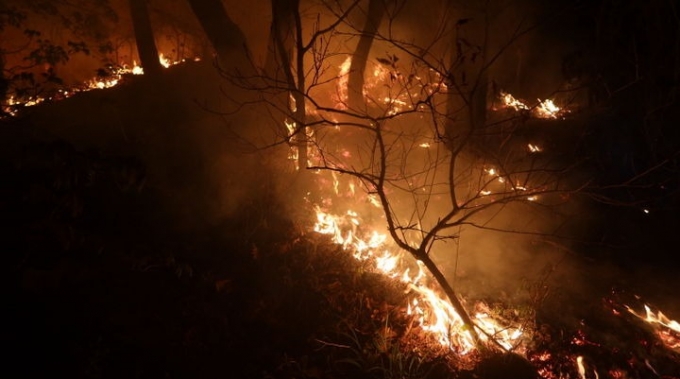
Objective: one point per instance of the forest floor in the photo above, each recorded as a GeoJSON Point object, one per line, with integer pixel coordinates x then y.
{"type": "Point", "coordinates": [108, 278]}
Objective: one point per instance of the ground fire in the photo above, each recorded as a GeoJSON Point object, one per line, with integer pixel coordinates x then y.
{"type": "Point", "coordinates": [557, 359]}
{"type": "Point", "coordinates": [369, 189]}
{"type": "Point", "coordinates": [428, 307]}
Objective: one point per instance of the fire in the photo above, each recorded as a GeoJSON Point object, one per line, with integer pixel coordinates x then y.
{"type": "Point", "coordinates": [581, 367]}
{"type": "Point", "coordinates": [666, 329]}
{"type": "Point", "coordinates": [534, 148]}
{"type": "Point", "coordinates": [433, 312]}
{"type": "Point", "coordinates": [96, 83]}
{"type": "Point", "coordinates": [136, 69]}
{"type": "Point", "coordinates": [165, 62]}
{"type": "Point", "coordinates": [509, 101]}
{"type": "Point", "coordinates": [547, 109]}
{"type": "Point", "coordinates": [293, 152]}
{"type": "Point", "coordinates": [343, 80]}
{"type": "Point", "coordinates": [386, 87]}
{"type": "Point", "coordinates": [543, 109]}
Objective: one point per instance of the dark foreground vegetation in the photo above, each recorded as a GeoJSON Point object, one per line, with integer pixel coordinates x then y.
{"type": "Point", "coordinates": [120, 262]}
{"type": "Point", "coordinates": [138, 241]}
{"type": "Point", "coordinates": [104, 281]}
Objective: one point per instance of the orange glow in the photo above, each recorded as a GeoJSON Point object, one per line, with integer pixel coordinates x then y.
{"type": "Point", "coordinates": [343, 80]}
{"type": "Point", "coordinates": [433, 312]}
{"type": "Point", "coordinates": [547, 109]}
{"type": "Point", "coordinates": [95, 83]}
{"type": "Point", "coordinates": [534, 148]}
{"type": "Point", "coordinates": [543, 109]}
{"type": "Point", "coordinates": [509, 101]}
{"type": "Point", "coordinates": [666, 329]}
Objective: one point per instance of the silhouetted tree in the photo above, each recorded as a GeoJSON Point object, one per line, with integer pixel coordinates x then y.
{"type": "Point", "coordinates": [357, 70]}
{"type": "Point", "coordinates": [146, 44]}
{"type": "Point", "coordinates": [225, 36]}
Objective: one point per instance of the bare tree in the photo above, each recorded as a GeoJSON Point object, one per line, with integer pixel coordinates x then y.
{"type": "Point", "coordinates": [357, 70]}
{"type": "Point", "coordinates": [421, 138]}
{"type": "Point", "coordinates": [225, 36]}
{"type": "Point", "coordinates": [146, 44]}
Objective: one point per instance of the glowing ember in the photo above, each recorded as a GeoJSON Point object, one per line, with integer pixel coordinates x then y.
{"type": "Point", "coordinates": [343, 80]}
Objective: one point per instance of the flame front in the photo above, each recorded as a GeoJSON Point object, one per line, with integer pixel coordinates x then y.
{"type": "Point", "coordinates": [666, 329]}
{"type": "Point", "coordinates": [432, 311]}
{"type": "Point", "coordinates": [113, 80]}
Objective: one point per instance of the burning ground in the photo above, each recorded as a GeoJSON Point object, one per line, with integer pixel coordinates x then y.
{"type": "Point", "coordinates": [150, 232]}
{"type": "Point", "coordinates": [117, 267]}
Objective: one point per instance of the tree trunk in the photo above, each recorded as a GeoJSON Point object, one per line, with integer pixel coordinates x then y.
{"type": "Point", "coordinates": [225, 36]}
{"type": "Point", "coordinates": [146, 45]}
{"type": "Point", "coordinates": [279, 59]}
{"type": "Point", "coordinates": [450, 293]}
{"type": "Point", "coordinates": [285, 53]}
{"type": "Point", "coordinates": [281, 37]}
{"type": "Point", "coordinates": [355, 82]}
{"type": "Point", "coordinates": [4, 83]}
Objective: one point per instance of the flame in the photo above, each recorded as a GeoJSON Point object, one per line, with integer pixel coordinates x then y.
{"type": "Point", "coordinates": [581, 367]}
{"type": "Point", "coordinates": [136, 69]}
{"type": "Point", "coordinates": [543, 109]}
{"type": "Point", "coordinates": [534, 148]}
{"type": "Point", "coordinates": [666, 329]}
{"type": "Point", "coordinates": [293, 152]}
{"type": "Point", "coordinates": [547, 109]}
{"type": "Point", "coordinates": [388, 88]}
{"type": "Point", "coordinates": [96, 83]}
{"type": "Point", "coordinates": [165, 62]}
{"type": "Point", "coordinates": [432, 311]}
{"type": "Point", "coordinates": [342, 85]}
{"type": "Point", "coordinates": [509, 101]}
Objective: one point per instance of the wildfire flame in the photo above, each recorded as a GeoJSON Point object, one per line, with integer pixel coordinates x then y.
{"type": "Point", "coordinates": [432, 311]}
{"type": "Point", "coordinates": [343, 80]}
{"type": "Point", "coordinates": [666, 329]}
{"type": "Point", "coordinates": [113, 80]}
{"type": "Point", "coordinates": [543, 109]}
